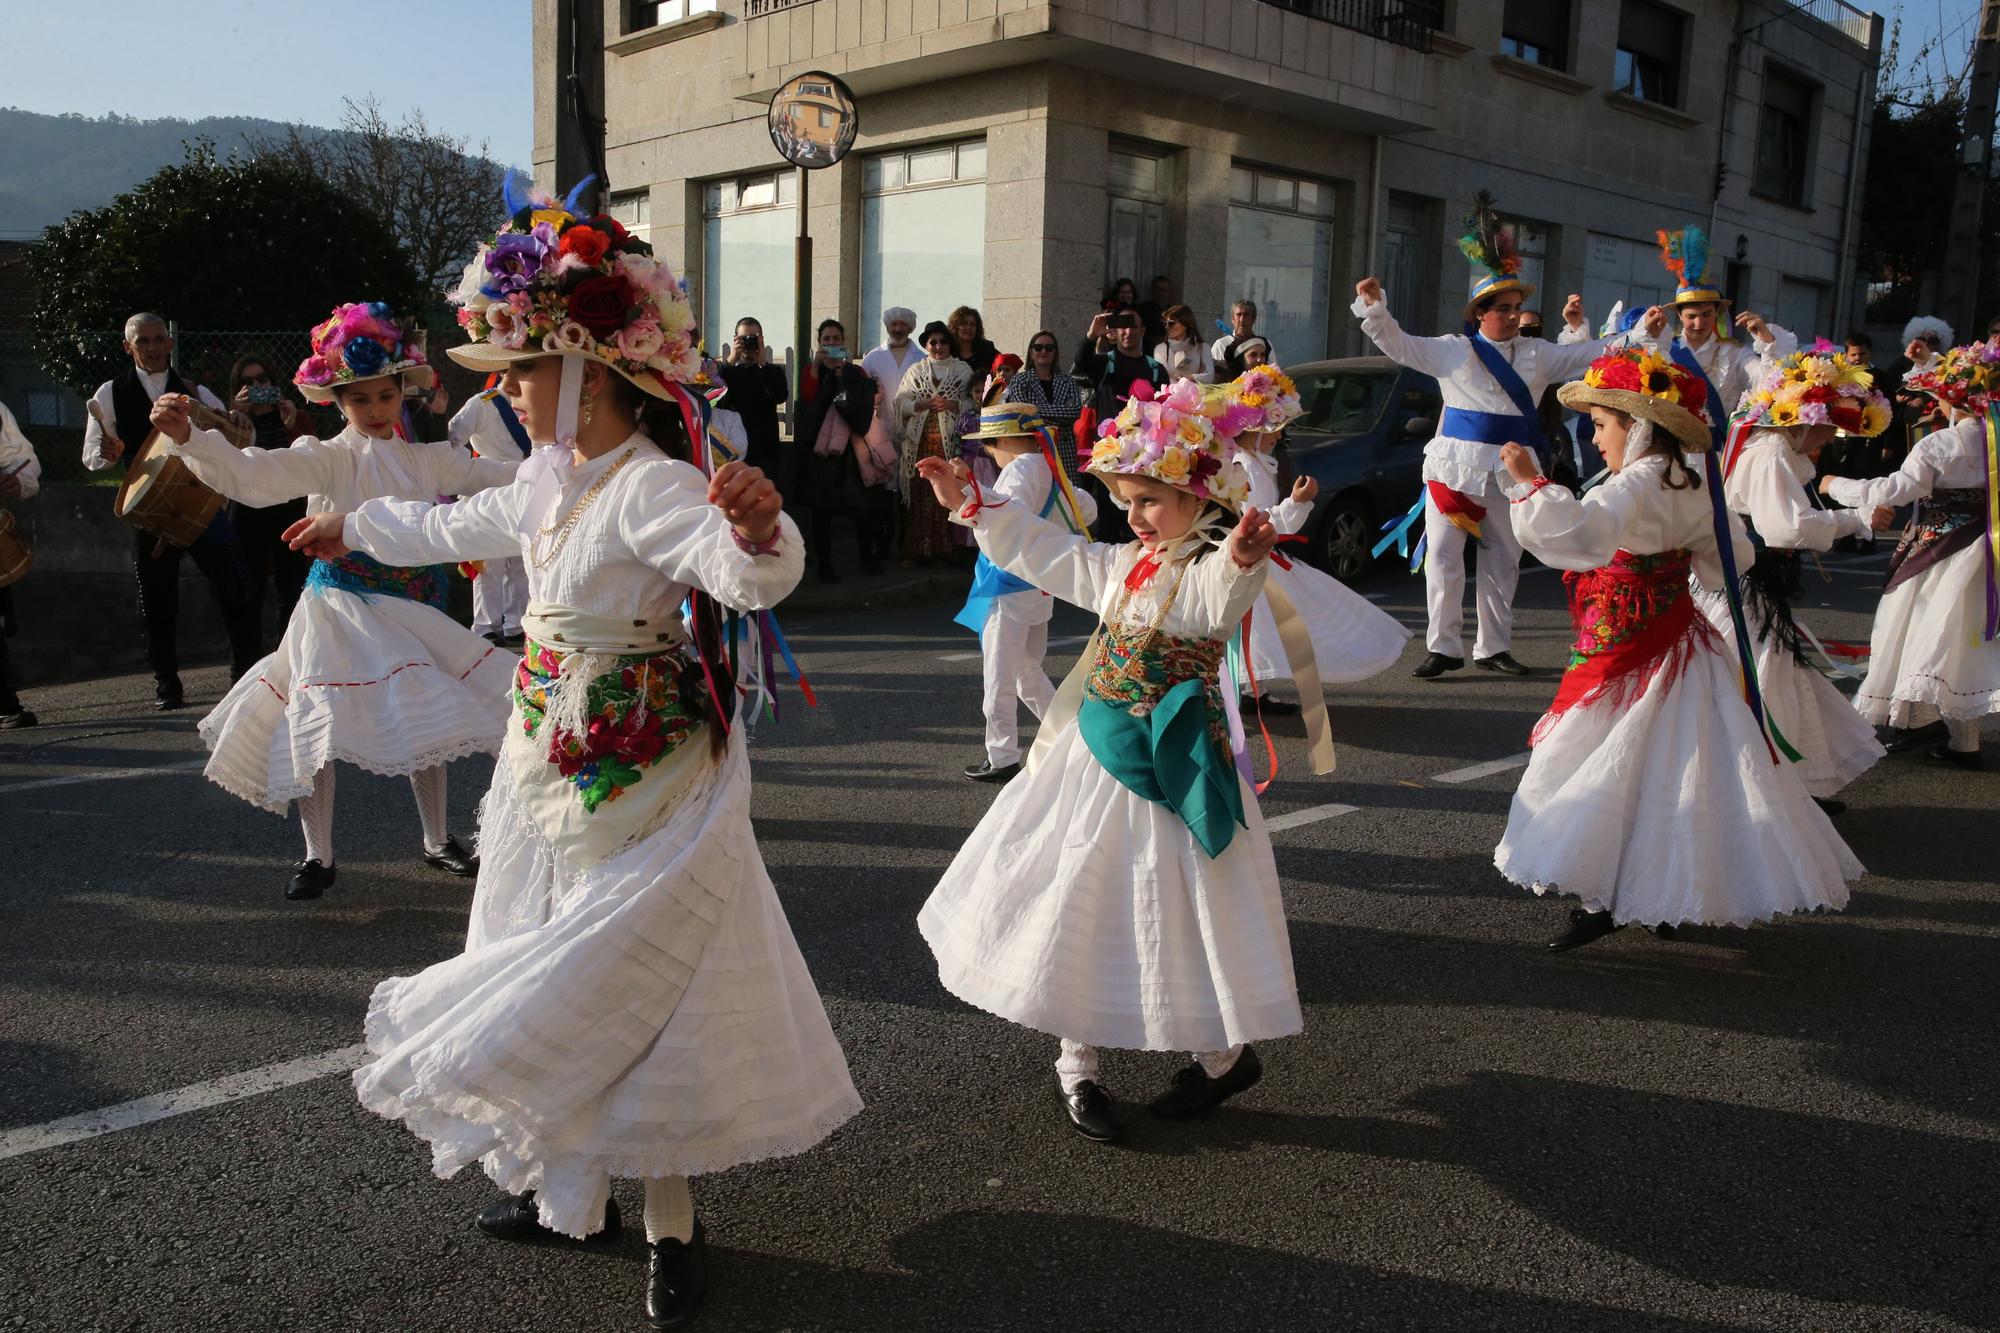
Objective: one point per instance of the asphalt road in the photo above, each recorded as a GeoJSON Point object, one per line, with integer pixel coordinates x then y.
{"type": "Point", "coordinates": [1789, 1127]}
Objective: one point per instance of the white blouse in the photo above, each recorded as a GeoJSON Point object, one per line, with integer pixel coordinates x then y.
{"type": "Point", "coordinates": [340, 473]}
{"type": "Point", "coordinates": [648, 537]}
{"type": "Point", "coordinates": [1947, 460]}
{"type": "Point", "coordinates": [1769, 488]}
{"type": "Point", "coordinates": [1287, 515]}
{"type": "Point", "coordinates": [1632, 511]}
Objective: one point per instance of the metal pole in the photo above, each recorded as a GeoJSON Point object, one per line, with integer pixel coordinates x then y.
{"type": "Point", "coordinates": [802, 289]}
{"type": "Point", "coordinates": [1846, 277]}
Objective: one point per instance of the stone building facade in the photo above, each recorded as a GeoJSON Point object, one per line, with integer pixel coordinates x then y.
{"type": "Point", "coordinates": [1018, 155]}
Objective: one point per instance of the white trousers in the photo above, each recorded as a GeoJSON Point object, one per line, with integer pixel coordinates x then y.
{"type": "Point", "coordinates": [499, 596]}
{"type": "Point", "coordinates": [1012, 653]}
{"type": "Point", "coordinates": [1499, 573]}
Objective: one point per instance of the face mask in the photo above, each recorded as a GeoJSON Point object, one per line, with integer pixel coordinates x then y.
{"type": "Point", "coordinates": [834, 353]}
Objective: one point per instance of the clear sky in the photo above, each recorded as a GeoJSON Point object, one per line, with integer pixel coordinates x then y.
{"type": "Point", "coordinates": [464, 63]}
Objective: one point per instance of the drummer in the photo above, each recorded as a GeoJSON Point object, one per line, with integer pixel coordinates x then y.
{"type": "Point", "coordinates": [126, 400]}
{"type": "Point", "coordinates": [20, 478]}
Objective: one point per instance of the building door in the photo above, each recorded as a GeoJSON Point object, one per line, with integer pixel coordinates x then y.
{"type": "Point", "coordinates": [1403, 277]}
{"type": "Point", "coordinates": [1135, 241]}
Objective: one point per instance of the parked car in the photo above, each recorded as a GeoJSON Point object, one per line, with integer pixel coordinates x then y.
{"type": "Point", "coordinates": [1362, 439]}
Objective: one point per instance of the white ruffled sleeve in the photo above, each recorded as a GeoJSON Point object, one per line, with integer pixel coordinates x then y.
{"type": "Point", "coordinates": [1915, 479]}
{"type": "Point", "coordinates": [486, 526]}
{"type": "Point", "coordinates": [669, 524]}
{"type": "Point", "coordinates": [1782, 514]}
{"type": "Point", "coordinates": [263, 477]}
{"type": "Point", "coordinates": [1051, 557]}
{"type": "Point", "coordinates": [1567, 533]}
{"type": "Point", "coordinates": [1436, 357]}
{"type": "Point", "coordinates": [1216, 594]}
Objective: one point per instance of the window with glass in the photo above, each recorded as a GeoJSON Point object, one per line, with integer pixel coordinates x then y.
{"type": "Point", "coordinates": [1615, 269]}
{"type": "Point", "coordinates": [1408, 264]}
{"type": "Point", "coordinates": [749, 241]}
{"type": "Point", "coordinates": [1532, 240]}
{"type": "Point", "coordinates": [1137, 184]}
{"type": "Point", "coordinates": [1648, 62]}
{"type": "Point", "coordinates": [643, 14]}
{"type": "Point", "coordinates": [633, 210]}
{"type": "Point", "coordinates": [1536, 31]}
{"type": "Point", "coordinates": [1280, 256]}
{"type": "Point", "coordinates": [1784, 136]}
{"type": "Point", "coordinates": [923, 231]}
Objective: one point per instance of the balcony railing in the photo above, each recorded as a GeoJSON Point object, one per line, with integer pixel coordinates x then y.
{"type": "Point", "coordinates": [1856, 25]}
{"type": "Point", "coordinates": [1404, 22]}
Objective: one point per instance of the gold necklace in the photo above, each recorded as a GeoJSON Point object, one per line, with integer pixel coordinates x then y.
{"type": "Point", "coordinates": [562, 531]}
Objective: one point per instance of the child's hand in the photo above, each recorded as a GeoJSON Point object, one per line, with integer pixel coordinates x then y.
{"type": "Point", "coordinates": [1521, 464]}
{"type": "Point", "coordinates": [1253, 539]}
{"type": "Point", "coordinates": [320, 536]}
{"type": "Point", "coordinates": [1304, 489]}
{"type": "Point", "coordinates": [1882, 518]}
{"type": "Point", "coordinates": [947, 478]}
{"type": "Point", "coordinates": [748, 499]}
{"type": "Point", "coordinates": [1826, 484]}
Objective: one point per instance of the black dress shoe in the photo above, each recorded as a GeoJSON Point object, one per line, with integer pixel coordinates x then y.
{"type": "Point", "coordinates": [1092, 1114]}
{"type": "Point", "coordinates": [514, 1217]}
{"type": "Point", "coordinates": [1583, 928]}
{"type": "Point", "coordinates": [677, 1279]}
{"type": "Point", "coordinates": [1970, 760]}
{"type": "Point", "coordinates": [1663, 931]}
{"type": "Point", "coordinates": [495, 637]}
{"type": "Point", "coordinates": [170, 703]}
{"type": "Point", "coordinates": [1250, 703]}
{"type": "Point", "coordinates": [309, 880]}
{"type": "Point", "coordinates": [983, 771]}
{"type": "Point", "coordinates": [453, 859]}
{"type": "Point", "coordinates": [1913, 738]}
{"type": "Point", "coordinates": [16, 721]}
{"type": "Point", "coordinates": [1435, 665]}
{"type": "Point", "coordinates": [1832, 807]}
{"type": "Point", "coordinates": [1192, 1091]}
{"type": "Point", "coordinates": [1504, 663]}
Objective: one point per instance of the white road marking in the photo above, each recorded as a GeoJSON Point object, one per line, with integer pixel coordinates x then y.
{"type": "Point", "coordinates": [195, 1097]}
{"type": "Point", "coordinates": [1486, 770]}
{"type": "Point", "coordinates": [1312, 814]}
{"type": "Point", "coordinates": [103, 775]}
{"type": "Point", "coordinates": [956, 657]}
{"type": "Point", "coordinates": [1069, 642]}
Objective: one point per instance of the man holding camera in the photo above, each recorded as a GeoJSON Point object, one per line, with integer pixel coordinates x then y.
{"type": "Point", "coordinates": [1110, 362]}
{"type": "Point", "coordinates": [757, 390]}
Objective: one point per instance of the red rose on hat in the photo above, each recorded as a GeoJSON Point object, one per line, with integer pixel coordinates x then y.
{"type": "Point", "coordinates": [602, 304]}
{"type": "Point", "coordinates": [587, 243]}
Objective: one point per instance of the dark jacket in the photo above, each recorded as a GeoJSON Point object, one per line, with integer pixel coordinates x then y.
{"type": "Point", "coordinates": [755, 394]}
{"type": "Point", "coordinates": [1111, 374]}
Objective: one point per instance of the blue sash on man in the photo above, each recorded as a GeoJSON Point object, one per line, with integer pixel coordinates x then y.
{"type": "Point", "coordinates": [1481, 426]}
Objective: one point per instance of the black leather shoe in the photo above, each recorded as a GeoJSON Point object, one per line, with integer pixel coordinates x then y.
{"type": "Point", "coordinates": [1435, 665]}
{"type": "Point", "coordinates": [1971, 760]}
{"type": "Point", "coordinates": [16, 721]}
{"type": "Point", "coordinates": [983, 771]}
{"type": "Point", "coordinates": [1584, 927]}
{"type": "Point", "coordinates": [453, 859]}
{"type": "Point", "coordinates": [1832, 807]}
{"type": "Point", "coordinates": [495, 637]}
{"type": "Point", "coordinates": [1250, 703]}
{"type": "Point", "coordinates": [1192, 1091]}
{"type": "Point", "coordinates": [677, 1279]}
{"type": "Point", "coordinates": [1504, 663]}
{"type": "Point", "coordinates": [1092, 1114]}
{"type": "Point", "coordinates": [514, 1217]}
{"type": "Point", "coordinates": [309, 880]}
{"type": "Point", "coordinates": [1913, 738]}
{"type": "Point", "coordinates": [1663, 931]}
{"type": "Point", "coordinates": [170, 703]}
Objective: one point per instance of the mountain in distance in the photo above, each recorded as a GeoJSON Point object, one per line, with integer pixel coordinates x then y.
{"type": "Point", "coordinates": [51, 166]}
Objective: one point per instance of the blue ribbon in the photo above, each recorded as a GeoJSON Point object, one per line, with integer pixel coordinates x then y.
{"type": "Point", "coordinates": [1510, 382]}
{"type": "Point", "coordinates": [1462, 423]}
{"type": "Point", "coordinates": [1399, 534]}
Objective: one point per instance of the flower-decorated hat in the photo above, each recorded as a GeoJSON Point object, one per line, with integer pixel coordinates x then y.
{"type": "Point", "coordinates": [553, 282]}
{"type": "Point", "coordinates": [1492, 247]}
{"type": "Point", "coordinates": [1966, 378]}
{"type": "Point", "coordinates": [1267, 392]}
{"type": "Point", "coordinates": [1642, 385]}
{"type": "Point", "coordinates": [1003, 420]}
{"type": "Point", "coordinates": [1820, 387]}
{"type": "Point", "coordinates": [360, 341]}
{"type": "Point", "coordinates": [1182, 437]}
{"type": "Point", "coordinates": [1685, 254]}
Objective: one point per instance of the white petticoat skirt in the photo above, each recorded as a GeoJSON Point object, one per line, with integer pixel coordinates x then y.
{"type": "Point", "coordinates": [1669, 809]}
{"type": "Point", "coordinates": [1081, 909]}
{"type": "Point", "coordinates": [380, 682]}
{"type": "Point", "coordinates": [1926, 659]}
{"type": "Point", "coordinates": [1352, 638]}
{"type": "Point", "coordinates": [552, 1052]}
{"type": "Point", "coordinates": [1836, 744]}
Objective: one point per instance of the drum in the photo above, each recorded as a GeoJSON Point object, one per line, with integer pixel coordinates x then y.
{"type": "Point", "coordinates": [15, 557]}
{"type": "Point", "coordinates": [161, 495]}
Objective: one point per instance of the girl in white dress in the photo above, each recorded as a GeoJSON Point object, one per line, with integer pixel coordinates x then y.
{"type": "Point", "coordinates": [1783, 423]}
{"type": "Point", "coordinates": [370, 671]}
{"type": "Point", "coordinates": [1122, 891]}
{"type": "Point", "coordinates": [1934, 656]}
{"type": "Point", "coordinates": [1352, 638]}
{"type": "Point", "coordinates": [1653, 793]}
{"type": "Point", "coordinates": [630, 1001]}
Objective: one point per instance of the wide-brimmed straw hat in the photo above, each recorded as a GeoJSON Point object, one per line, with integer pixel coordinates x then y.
{"type": "Point", "coordinates": [359, 342]}
{"type": "Point", "coordinates": [1183, 436]}
{"type": "Point", "coordinates": [1819, 387]}
{"type": "Point", "coordinates": [1642, 385]}
{"type": "Point", "coordinates": [1005, 420]}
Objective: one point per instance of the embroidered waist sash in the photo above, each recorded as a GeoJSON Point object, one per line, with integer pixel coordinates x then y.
{"type": "Point", "coordinates": [1946, 522]}
{"type": "Point", "coordinates": [368, 578]}
{"type": "Point", "coordinates": [606, 707]}
{"type": "Point", "coordinates": [1628, 616]}
{"type": "Point", "coordinates": [1152, 714]}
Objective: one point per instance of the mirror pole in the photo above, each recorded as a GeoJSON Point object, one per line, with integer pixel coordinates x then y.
{"type": "Point", "coordinates": [802, 289]}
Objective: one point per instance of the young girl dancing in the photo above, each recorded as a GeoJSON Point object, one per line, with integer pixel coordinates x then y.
{"type": "Point", "coordinates": [370, 671]}
{"type": "Point", "coordinates": [1122, 892]}
{"type": "Point", "coordinates": [1934, 656]}
{"type": "Point", "coordinates": [1653, 793]}
{"type": "Point", "coordinates": [630, 1001]}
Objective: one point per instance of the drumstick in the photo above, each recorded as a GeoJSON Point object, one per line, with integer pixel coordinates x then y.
{"type": "Point", "coordinates": [97, 415]}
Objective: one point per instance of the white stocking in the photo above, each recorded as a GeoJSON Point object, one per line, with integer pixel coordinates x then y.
{"type": "Point", "coordinates": [428, 784]}
{"type": "Point", "coordinates": [1077, 1064]}
{"type": "Point", "coordinates": [1217, 1063]}
{"type": "Point", "coordinates": [669, 1209]}
{"type": "Point", "coordinates": [316, 814]}
{"type": "Point", "coordinates": [1963, 734]}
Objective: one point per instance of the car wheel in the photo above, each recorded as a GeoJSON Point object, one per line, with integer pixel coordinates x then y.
{"type": "Point", "coordinates": [1346, 537]}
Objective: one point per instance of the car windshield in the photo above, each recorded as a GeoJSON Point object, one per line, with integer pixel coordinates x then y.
{"type": "Point", "coordinates": [1343, 402]}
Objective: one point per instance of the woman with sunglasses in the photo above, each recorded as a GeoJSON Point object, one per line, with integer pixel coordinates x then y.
{"type": "Point", "coordinates": [1052, 392]}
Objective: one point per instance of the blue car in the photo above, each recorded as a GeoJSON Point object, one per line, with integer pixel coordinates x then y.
{"type": "Point", "coordinates": [1362, 439]}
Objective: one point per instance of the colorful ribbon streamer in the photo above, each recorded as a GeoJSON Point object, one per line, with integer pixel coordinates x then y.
{"type": "Point", "coordinates": [1992, 560]}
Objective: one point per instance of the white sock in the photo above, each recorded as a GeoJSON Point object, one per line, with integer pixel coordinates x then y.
{"type": "Point", "coordinates": [428, 784]}
{"type": "Point", "coordinates": [1077, 1064]}
{"type": "Point", "coordinates": [1963, 735]}
{"type": "Point", "coordinates": [1217, 1063]}
{"type": "Point", "coordinates": [316, 815]}
{"type": "Point", "coordinates": [669, 1209]}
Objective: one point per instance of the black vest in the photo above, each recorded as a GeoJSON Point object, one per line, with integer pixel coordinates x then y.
{"type": "Point", "coordinates": [132, 410]}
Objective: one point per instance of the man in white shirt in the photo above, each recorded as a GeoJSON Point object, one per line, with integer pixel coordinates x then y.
{"type": "Point", "coordinates": [888, 362]}
{"type": "Point", "coordinates": [126, 401]}
{"type": "Point", "coordinates": [20, 478]}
